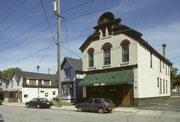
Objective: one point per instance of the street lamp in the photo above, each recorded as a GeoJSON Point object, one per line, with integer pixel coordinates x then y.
{"type": "Point", "coordinates": [37, 78]}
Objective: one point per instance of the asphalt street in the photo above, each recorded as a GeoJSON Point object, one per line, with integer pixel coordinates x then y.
{"type": "Point", "coordinates": [167, 111]}
{"type": "Point", "coordinates": [22, 114]}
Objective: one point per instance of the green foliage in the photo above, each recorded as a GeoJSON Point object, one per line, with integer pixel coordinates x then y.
{"type": "Point", "coordinates": [175, 78]}
{"type": "Point", "coordinates": [63, 104]}
{"type": "Point", "coordinates": [1, 73]}
{"type": "Point", "coordinates": [9, 72]}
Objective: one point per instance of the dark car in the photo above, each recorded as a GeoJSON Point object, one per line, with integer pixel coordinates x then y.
{"type": "Point", "coordinates": [100, 105]}
{"type": "Point", "coordinates": [1, 118]}
{"type": "Point", "coordinates": [39, 103]}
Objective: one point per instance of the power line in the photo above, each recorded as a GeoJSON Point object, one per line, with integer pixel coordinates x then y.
{"type": "Point", "coordinates": [12, 12]}
{"type": "Point", "coordinates": [20, 18]}
{"type": "Point", "coordinates": [77, 6]}
{"type": "Point", "coordinates": [26, 57]}
{"type": "Point", "coordinates": [25, 32]}
{"type": "Point", "coordinates": [45, 52]}
{"type": "Point", "coordinates": [47, 20]}
{"type": "Point", "coordinates": [10, 47]}
{"type": "Point", "coordinates": [71, 51]}
{"type": "Point", "coordinates": [92, 12]}
{"type": "Point", "coordinates": [67, 39]}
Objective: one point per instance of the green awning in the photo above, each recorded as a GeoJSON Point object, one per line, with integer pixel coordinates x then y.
{"type": "Point", "coordinates": [109, 78]}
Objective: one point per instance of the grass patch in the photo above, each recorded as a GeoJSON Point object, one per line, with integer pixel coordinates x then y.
{"type": "Point", "coordinates": [63, 104]}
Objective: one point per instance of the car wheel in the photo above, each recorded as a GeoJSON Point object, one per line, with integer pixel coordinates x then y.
{"type": "Point", "coordinates": [38, 106]}
{"type": "Point", "coordinates": [100, 110]}
{"type": "Point", "coordinates": [80, 109]}
{"type": "Point", "coordinates": [27, 106]}
{"type": "Point", "coordinates": [109, 111]}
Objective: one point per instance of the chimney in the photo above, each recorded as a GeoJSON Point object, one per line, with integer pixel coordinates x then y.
{"type": "Point", "coordinates": [49, 71]}
{"type": "Point", "coordinates": [164, 49]}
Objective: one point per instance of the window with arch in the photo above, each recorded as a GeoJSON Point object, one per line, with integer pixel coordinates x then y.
{"type": "Point", "coordinates": [91, 57]}
{"type": "Point", "coordinates": [125, 50]}
{"type": "Point", "coordinates": [107, 53]}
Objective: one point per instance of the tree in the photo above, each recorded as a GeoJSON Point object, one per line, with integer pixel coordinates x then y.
{"type": "Point", "coordinates": [1, 73]}
{"type": "Point", "coordinates": [174, 77]}
{"type": "Point", "coordinates": [9, 72]}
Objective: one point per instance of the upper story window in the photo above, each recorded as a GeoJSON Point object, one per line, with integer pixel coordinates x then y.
{"type": "Point", "coordinates": [18, 81]}
{"type": "Point", "coordinates": [160, 66]}
{"type": "Point", "coordinates": [125, 50]}
{"type": "Point", "coordinates": [151, 60]}
{"type": "Point", "coordinates": [46, 83]}
{"type": "Point", "coordinates": [107, 53]}
{"type": "Point", "coordinates": [91, 57]}
{"type": "Point", "coordinates": [32, 82]}
{"type": "Point", "coordinates": [67, 72]}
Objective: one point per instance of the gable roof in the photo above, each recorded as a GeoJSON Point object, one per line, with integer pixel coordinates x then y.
{"type": "Point", "coordinates": [33, 75]}
{"type": "Point", "coordinates": [4, 79]}
{"type": "Point", "coordinates": [119, 29]}
{"type": "Point", "coordinates": [76, 63]}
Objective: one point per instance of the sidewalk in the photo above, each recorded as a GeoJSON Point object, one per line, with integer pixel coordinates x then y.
{"type": "Point", "coordinates": [119, 109]}
{"type": "Point", "coordinates": [13, 104]}
{"type": "Point", "coordinates": [72, 108]}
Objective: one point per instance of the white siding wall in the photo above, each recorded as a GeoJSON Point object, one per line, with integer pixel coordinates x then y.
{"type": "Point", "coordinates": [33, 93]}
{"type": "Point", "coordinates": [14, 83]}
{"type": "Point", "coordinates": [116, 52]}
{"type": "Point", "coordinates": [147, 76]}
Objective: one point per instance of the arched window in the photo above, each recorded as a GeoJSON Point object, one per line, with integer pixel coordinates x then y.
{"type": "Point", "coordinates": [91, 57]}
{"type": "Point", "coordinates": [125, 50]}
{"type": "Point", "coordinates": [107, 53]}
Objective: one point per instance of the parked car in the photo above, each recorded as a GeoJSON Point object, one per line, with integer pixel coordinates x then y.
{"type": "Point", "coordinates": [100, 105]}
{"type": "Point", "coordinates": [1, 118]}
{"type": "Point", "coordinates": [39, 103]}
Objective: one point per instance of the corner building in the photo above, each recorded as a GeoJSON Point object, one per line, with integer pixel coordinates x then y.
{"type": "Point", "coordinates": [118, 64]}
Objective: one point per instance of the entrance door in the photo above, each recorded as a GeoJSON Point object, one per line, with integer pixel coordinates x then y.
{"type": "Point", "coordinates": [126, 96]}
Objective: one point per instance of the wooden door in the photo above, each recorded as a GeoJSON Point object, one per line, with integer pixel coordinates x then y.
{"type": "Point", "coordinates": [126, 96]}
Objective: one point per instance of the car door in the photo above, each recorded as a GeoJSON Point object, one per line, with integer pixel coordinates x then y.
{"type": "Point", "coordinates": [96, 104]}
{"type": "Point", "coordinates": [33, 102]}
{"type": "Point", "coordinates": [88, 104]}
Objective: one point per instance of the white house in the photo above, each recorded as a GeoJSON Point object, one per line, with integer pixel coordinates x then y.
{"type": "Point", "coordinates": [3, 85]}
{"type": "Point", "coordinates": [122, 66]}
{"type": "Point", "coordinates": [24, 86]}
{"type": "Point", "coordinates": [71, 75]}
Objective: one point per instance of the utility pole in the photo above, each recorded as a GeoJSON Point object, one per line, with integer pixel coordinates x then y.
{"type": "Point", "coordinates": [38, 79]}
{"type": "Point", "coordinates": [57, 13]}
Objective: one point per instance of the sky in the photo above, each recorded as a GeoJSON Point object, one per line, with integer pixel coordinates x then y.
{"type": "Point", "coordinates": [26, 39]}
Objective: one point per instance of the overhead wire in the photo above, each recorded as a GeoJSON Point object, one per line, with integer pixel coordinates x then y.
{"type": "Point", "coordinates": [67, 39]}
{"type": "Point", "coordinates": [47, 20]}
{"type": "Point", "coordinates": [25, 32]}
{"type": "Point", "coordinates": [92, 12]}
{"type": "Point", "coordinates": [21, 42]}
{"type": "Point", "coordinates": [13, 11]}
{"type": "Point", "coordinates": [77, 6]}
{"type": "Point", "coordinates": [26, 57]}
{"type": "Point", "coordinates": [53, 36]}
{"type": "Point", "coordinates": [13, 24]}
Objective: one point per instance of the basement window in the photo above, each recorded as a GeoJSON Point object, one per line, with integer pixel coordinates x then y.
{"type": "Point", "coordinates": [25, 96]}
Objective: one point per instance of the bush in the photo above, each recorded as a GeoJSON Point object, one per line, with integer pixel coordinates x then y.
{"type": "Point", "coordinates": [1, 102]}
